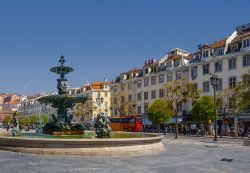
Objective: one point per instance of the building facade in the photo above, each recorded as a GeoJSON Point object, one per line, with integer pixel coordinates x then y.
{"type": "Point", "coordinates": [228, 58]}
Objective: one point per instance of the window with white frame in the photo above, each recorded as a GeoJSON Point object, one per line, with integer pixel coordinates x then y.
{"type": "Point", "coordinates": [246, 61]}
{"type": "Point", "coordinates": [178, 75]}
{"type": "Point", "coordinates": [169, 77]}
{"type": "Point", "coordinates": [161, 93]}
{"type": "Point", "coordinates": [246, 43]}
{"type": "Point", "coordinates": [153, 80]}
{"type": "Point", "coordinates": [194, 72]}
{"type": "Point", "coordinates": [219, 85]}
{"type": "Point", "coordinates": [130, 97]}
{"type": "Point", "coordinates": [153, 94]}
{"type": "Point", "coordinates": [220, 51]}
{"type": "Point", "coordinates": [232, 82]}
{"type": "Point", "coordinates": [161, 79]}
{"type": "Point", "coordinates": [206, 86]}
{"type": "Point", "coordinates": [146, 95]}
{"type": "Point", "coordinates": [122, 87]}
{"type": "Point", "coordinates": [205, 69]}
{"type": "Point", "coordinates": [138, 109]}
{"type": "Point", "coordinates": [205, 54]}
{"type": "Point", "coordinates": [232, 63]}
{"type": "Point", "coordinates": [139, 84]}
{"type": "Point", "coordinates": [129, 85]}
{"type": "Point", "coordinates": [169, 64]}
{"type": "Point", "coordinates": [115, 100]}
{"type": "Point", "coordinates": [138, 96]}
{"type": "Point", "coordinates": [218, 66]}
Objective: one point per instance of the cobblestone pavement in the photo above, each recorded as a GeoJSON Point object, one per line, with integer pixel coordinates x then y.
{"type": "Point", "coordinates": [185, 155]}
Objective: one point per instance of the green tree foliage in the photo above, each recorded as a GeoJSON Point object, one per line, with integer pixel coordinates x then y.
{"type": "Point", "coordinates": [203, 109]}
{"type": "Point", "coordinates": [7, 120]}
{"type": "Point", "coordinates": [24, 121]}
{"type": "Point", "coordinates": [34, 119]}
{"type": "Point", "coordinates": [160, 111]}
{"type": "Point", "coordinates": [45, 118]}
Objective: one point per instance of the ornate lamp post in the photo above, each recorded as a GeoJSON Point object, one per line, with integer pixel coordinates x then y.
{"type": "Point", "coordinates": [214, 82]}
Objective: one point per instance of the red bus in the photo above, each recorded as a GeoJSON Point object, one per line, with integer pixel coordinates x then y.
{"type": "Point", "coordinates": [126, 123]}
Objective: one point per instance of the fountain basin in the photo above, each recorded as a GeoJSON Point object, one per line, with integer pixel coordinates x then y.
{"type": "Point", "coordinates": [84, 147]}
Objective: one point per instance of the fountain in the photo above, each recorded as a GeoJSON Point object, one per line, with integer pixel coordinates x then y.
{"type": "Point", "coordinates": [63, 124]}
{"type": "Point", "coordinates": [62, 136]}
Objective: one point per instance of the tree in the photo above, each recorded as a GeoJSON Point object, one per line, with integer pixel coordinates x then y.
{"type": "Point", "coordinates": [45, 118]}
{"type": "Point", "coordinates": [34, 119]}
{"type": "Point", "coordinates": [24, 121]}
{"type": "Point", "coordinates": [160, 111]}
{"type": "Point", "coordinates": [7, 120]}
{"type": "Point", "coordinates": [124, 107]}
{"type": "Point", "coordinates": [203, 110]}
{"type": "Point", "coordinates": [178, 92]}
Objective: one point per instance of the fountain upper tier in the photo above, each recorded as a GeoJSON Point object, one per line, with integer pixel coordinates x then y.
{"type": "Point", "coordinates": [62, 70]}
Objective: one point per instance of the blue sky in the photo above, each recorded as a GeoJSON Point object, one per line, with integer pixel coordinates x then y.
{"type": "Point", "coordinates": [101, 39]}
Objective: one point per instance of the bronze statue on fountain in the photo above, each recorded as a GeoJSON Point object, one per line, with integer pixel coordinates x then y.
{"type": "Point", "coordinates": [62, 123]}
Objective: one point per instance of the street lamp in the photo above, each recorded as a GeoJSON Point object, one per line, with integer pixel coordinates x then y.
{"type": "Point", "coordinates": [144, 110]}
{"type": "Point", "coordinates": [214, 82]}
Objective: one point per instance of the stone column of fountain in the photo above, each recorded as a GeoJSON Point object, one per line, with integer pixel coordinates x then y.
{"type": "Point", "coordinates": [62, 123]}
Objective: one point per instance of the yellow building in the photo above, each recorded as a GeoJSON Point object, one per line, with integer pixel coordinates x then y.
{"type": "Point", "coordinates": [89, 110]}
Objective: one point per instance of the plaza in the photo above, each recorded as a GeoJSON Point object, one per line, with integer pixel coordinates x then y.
{"type": "Point", "coordinates": [185, 155]}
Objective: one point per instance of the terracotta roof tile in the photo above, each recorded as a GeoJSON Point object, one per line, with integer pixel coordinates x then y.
{"type": "Point", "coordinates": [217, 44]}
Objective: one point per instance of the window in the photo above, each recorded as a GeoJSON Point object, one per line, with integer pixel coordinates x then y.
{"type": "Point", "coordinates": [122, 99]}
{"type": "Point", "coordinates": [122, 87]}
{"type": "Point", "coordinates": [116, 111]}
{"type": "Point", "coordinates": [138, 96]}
{"type": "Point", "coordinates": [153, 94]}
{"type": "Point", "coordinates": [145, 108]}
{"type": "Point", "coordinates": [139, 84]}
{"type": "Point", "coordinates": [129, 97]}
{"type": "Point", "coordinates": [146, 82]}
{"type": "Point", "coordinates": [145, 95]}
{"type": "Point", "coordinates": [161, 93]}
{"type": "Point", "coordinates": [206, 86]}
{"type": "Point", "coordinates": [115, 100]}
{"type": "Point", "coordinates": [220, 51]}
{"type": "Point", "coordinates": [106, 104]}
{"type": "Point", "coordinates": [246, 61]}
{"type": "Point", "coordinates": [169, 77]}
{"type": "Point", "coordinates": [129, 85]}
{"type": "Point", "coordinates": [153, 80]}
{"type": "Point", "coordinates": [139, 110]}
{"type": "Point", "coordinates": [178, 75]}
{"type": "Point", "coordinates": [205, 54]}
{"type": "Point", "coordinates": [177, 63]}
{"type": "Point", "coordinates": [218, 66]}
{"type": "Point", "coordinates": [232, 82]}
{"type": "Point", "coordinates": [205, 69]}
{"type": "Point", "coordinates": [194, 71]}
{"type": "Point", "coordinates": [106, 94]}
{"type": "Point", "coordinates": [115, 89]}
{"type": "Point", "coordinates": [219, 86]}
{"type": "Point", "coordinates": [169, 64]}
{"type": "Point", "coordinates": [161, 79]}
{"type": "Point", "coordinates": [234, 48]}
{"type": "Point", "coordinates": [232, 63]}
{"type": "Point", "coordinates": [246, 43]}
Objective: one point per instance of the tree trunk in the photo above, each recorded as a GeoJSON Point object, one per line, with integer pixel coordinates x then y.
{"type": "Point", "coordinates": [176, 126]}
{"type": "Point", "coordinates": [236, 126]}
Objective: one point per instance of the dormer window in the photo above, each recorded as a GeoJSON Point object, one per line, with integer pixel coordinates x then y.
{"type": "Point", "coordinates": [169, 64]}
{"type": "Point", "coordinates": [246, 43]}
{"type": "Point", "coordinates": [177, 63]}
{"type": "Point", "coordinates": [234, 48]}
{"type": "Point", "coordinates": [146, 71]}
{"type": "Point", "coordinates": [220, 52]}
{"type": "Point", "coordinates": [205, 54]}
{"type": "Point", "coordinates": [197, 57]}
